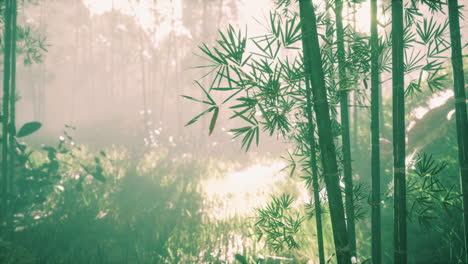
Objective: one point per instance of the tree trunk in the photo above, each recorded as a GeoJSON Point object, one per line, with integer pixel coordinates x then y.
{"type": "Point", "coordinates": [6, 107]}
{"type": "Point", "coordinates": [42, 69]}
{"type": "Point", "coordinates": [355, 98]}
{"type": "Point", "coordinates": [344, 112]}
{"type": "Point", "coordinates": [314, 70]}
{"type": "Point", "coordinates": [75, 77]}
{"type": "Point", "coordinates": [460, 108]}
{"type": "Point", "coordinates": [112, 43]}
{"type": "Point", "coordinates": [143, 84]}
{"type": "Point", "coordinates": [313, 166]}
{"type": "Point", "coordinates": [9, 99]}
{"type": "Point", "coordinates": [375, 138]}
{"type": "Point", "coordinates": [399, 172]}
{"type": "Point", "coordinates": [12, 144]}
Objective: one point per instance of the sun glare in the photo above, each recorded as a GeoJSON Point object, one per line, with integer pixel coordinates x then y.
{"type": "Point", "coordinates": [164, 17]}
{"type": "Point", "coordinates": [363, 16]}
{"type": "Point", "coordinates": [242, 191]}
{"type": "Point", "coordinates": [159, 18]}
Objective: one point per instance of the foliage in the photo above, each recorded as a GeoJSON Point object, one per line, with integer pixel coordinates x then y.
{"type": "Point", "coordinates": [260, 80]}
{"type": "Point", "coordinates": [150, 209]}
{"type": "Point", "coordinates": [40, 173]}
{"type": "Point", "coordinates": [278, 223]}
{"type": "Point", "coordinates": [73, 204]}
{"type": "Point", "coordinates": [429, 195]}
{"type": "Point", "coordinates": [31, 46]}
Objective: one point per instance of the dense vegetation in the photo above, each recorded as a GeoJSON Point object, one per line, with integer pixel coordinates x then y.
{"type": "Point", "coordinates": [369, 164]}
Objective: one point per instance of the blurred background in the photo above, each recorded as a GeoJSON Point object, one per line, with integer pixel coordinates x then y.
{"type": "Point", "coordinates": [116, 68]}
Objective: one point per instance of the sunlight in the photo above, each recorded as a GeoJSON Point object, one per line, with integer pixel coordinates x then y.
{"type": "Point", "coordinates": [141, 10]}
{"type": "Point", "coordinates": [242, 191]}
{"type": "Point", "coordinates": [363, 16]}
{"type": "Point", "coordinates": [249, 180]}
{"type": "Point", "coordinates": [102, 6]}
{"type": "Point", "coordinates": [256, 15]}
{"type": "Point", "coordinates": [180, 131]}
{"type": "Point", "coordinates": [435, 101]}
{"type": "Point", "coordinates": [168, 13]}
{"type": "Point", "coordinates": [450, 114]}
{"type": "Point", "coordinates": [440, 98]}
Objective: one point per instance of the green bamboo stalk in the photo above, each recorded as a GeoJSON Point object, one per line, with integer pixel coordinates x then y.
{"type": "Point", "coordinates": [399, 172]}
{"type": "Point", "coordinates": [313, 166]}
{"type": "Point", "coordinates": [12, 144]}
{"type": "Point", "coordinates": [460, 108]}
{"type": "Point", "coordinates": [344, 112]}
{"type": "Point", "coordinates": [354, 131]}
{"type": "Point", "coordinates": [6, 107]}
{"type": "Point", "coordinates": [375, 138]}
{"type": "Point", "coordinates": [314, 71]}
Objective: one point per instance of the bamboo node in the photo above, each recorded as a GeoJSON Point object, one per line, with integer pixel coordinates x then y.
{"type": "Point", "coordinates": [399, 170]}
{"type": "Point", "coordinates": [459, 100]}
{"type": "Point", "coordinates": [346, 248]}
{"type": "Point", "coordinates": [331, 174]}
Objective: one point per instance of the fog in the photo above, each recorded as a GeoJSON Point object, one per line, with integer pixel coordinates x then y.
{"type": "Point", "coordinates": [119, 167]}
{"type": "Point", "coordinates": [111, 65]}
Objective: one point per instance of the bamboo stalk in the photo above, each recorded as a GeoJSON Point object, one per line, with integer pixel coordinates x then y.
{"type": "Point", "coordinates": [6, 107]}
{"type": "Point", "coordinates": [375, 139]}
{"type": "Point", "coordinates": [314, 70]}
{"type": "Point", "coordinates": [313, 166]}
{"type": "Point", "coordinates": [344, 112]}
{"type": "Point", "coordinates": [460, 108]}
{"type": "Point", "coordinates": [399, 171]}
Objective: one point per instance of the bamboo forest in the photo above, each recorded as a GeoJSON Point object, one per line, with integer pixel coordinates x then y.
{"type": "Point", "coordinates": [233, 131]}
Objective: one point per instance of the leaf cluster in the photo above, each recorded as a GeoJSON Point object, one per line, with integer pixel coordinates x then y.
{"type": "Point", "coordinates": [277, 222]}
{"type": "Point", "coordinates": [428, 194]}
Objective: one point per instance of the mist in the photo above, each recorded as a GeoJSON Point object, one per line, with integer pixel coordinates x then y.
{"type": "Point", "coordinates": [233, 131]}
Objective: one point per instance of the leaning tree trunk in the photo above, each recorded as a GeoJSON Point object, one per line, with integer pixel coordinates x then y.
{"type": "Point", "coordinates": [399, 145]}
{"type": "Point", "coordinates": [375, 138]}
{"type": "Point", "coordinates": [314, 71]}
{"type": "Point", "coordinates": [460, 108]}
{"type": "Point", "coordinates": [344, 112]}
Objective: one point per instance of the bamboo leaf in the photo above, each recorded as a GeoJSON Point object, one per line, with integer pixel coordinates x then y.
{"type": "Point", "coordinates": [195, 119]}
{"type": "Point", "coordinates": [212, 102]}
{"type": "Point", "coordinates": [196, 100]}
{"type": "Point", "coordinates": [213, 120]}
